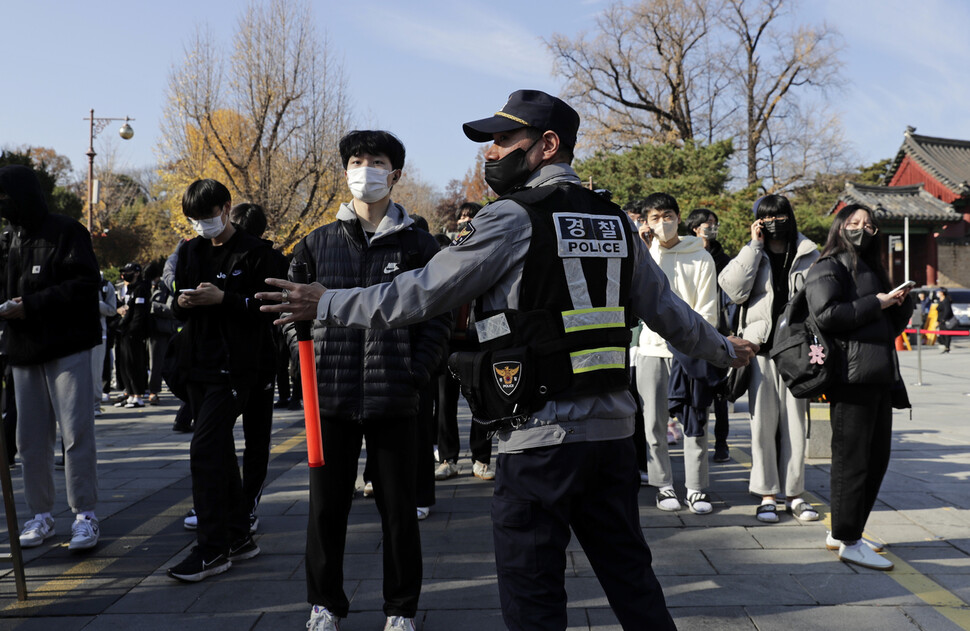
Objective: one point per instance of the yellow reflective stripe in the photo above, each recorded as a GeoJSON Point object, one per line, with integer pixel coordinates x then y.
{"type": "Point", "coordinates": [593, 318]}
{"type": "Point", "coordinates": [598, 359]}
{"type": "Point", "coordinates": [514, 118]}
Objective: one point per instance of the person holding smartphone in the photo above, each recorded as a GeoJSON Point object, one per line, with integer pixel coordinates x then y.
{"type": "Point", "coordinates": [849, 294]}
{"type": "Point", "coordinates": [765, 274]}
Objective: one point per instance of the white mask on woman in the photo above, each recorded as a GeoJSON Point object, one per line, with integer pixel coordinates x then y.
{"type": "Point", "coordinates": [368, 184]}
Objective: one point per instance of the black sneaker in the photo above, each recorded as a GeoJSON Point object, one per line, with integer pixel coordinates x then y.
{"type": "Point", "coordinates": [195, 568]}
{"type": "Point", "coordinates": [721, 452]}
{"type": "Point", "coordinates": [282, 404]}
{"type": "Point", "coordinates": [243, 549]}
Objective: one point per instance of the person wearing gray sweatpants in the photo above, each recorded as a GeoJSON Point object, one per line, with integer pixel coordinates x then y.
{"type": "Point", "coordinates": [49, 291]}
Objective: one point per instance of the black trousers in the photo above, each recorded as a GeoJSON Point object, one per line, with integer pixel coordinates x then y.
{"type": "Point", "coordinates": [133, 365]}
{"type": "Point", "coordinates": [157, 345]}
{"type": "Point", "coordinates": [424, 466]}
{"type": "Point", "coordinates": [216, 486]}
{"type": "Point", "coordinates": [592, 488]}
{"type": "Point", "coordinates": [391, 452]}
{"type": "Point", "coordinates": [448, 443]}
{"type": "Point", "coordinates": [257, 418]}
{"type": "Point", "coordinates": [720, 419]}
{"type": "Point", "coordinates": [862, 426]}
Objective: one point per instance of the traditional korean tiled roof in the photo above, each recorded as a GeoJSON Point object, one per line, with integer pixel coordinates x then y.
{"type": "Point", "coordinates": [898, 202]}
{"type": "Point", "coordinates": [946, 159]}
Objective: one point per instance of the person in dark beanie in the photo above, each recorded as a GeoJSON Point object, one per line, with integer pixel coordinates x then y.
{"type": "Point", "coordinates": [49, 299]}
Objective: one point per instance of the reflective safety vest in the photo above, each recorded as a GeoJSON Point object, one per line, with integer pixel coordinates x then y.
{"type": "Point", "coordinates": [571, 333]}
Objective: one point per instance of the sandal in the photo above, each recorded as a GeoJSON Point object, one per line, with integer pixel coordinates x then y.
{"type": "Point", "coordinates": [767, 513]}
{"type": "Point", "coordinates": [699, 503]}
{"type": "Point", "coordinates": [667, 500]}
{"type": "Point", "coordinates": [802, 511]}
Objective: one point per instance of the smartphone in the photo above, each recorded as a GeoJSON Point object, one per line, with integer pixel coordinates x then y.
{"type": "Point", "coordinates": [908, 284]}
{"type": "Point", "coordinates": [186, 291]}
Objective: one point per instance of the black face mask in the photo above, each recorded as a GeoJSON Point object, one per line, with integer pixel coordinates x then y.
{"type": "Point", "coordinates": [860, 238]}
{"type": "Point", "coordinates": [128, 278]}
{"type": "Point", "coordinates": [462, 224]}
{"type": "Point", "coordinates": [775, 230]}
{"type": "Point", "coordinates": [511, 171]}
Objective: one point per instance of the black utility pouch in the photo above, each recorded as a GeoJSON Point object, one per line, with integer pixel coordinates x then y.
{"type": "Point", "coordinates": [498, 385]}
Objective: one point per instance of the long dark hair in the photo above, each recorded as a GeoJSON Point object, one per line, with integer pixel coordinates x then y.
{"type": "Point", "coordinates": [838, 247]}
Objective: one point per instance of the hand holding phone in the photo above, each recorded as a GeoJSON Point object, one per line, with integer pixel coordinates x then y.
{"type": "Point", "coordinates": [907, 285]}
{"type": "Point", "coordinates": [186, 291]}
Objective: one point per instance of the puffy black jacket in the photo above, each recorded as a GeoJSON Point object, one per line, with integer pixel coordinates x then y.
{"type": "Point", "coordinates": [371, 374]}
{"type": "Point", "coordinates": [844, 304]}
{"type": "Point", "coordinates": [51, 265]}
{"type": "Point", "coordinates": [244, 329]}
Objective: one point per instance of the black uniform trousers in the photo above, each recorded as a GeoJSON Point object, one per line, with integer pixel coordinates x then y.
{"type": "Point", "coordinates": [448, 444]}
{"type": "Point", "coordinates": [720, 419]}
{"type": "Point", "coordinates": [133, 364]}
{"type": "Point", "coordinates": [391, 454]}
{"type": "Point", "coordinates": [592, 488]}
{"type": "Point", "coordinates": [862, 426]}
{"type": "Point", "coordinates": [257, 418]}
{"type": "Point", "coordinates": [216, 486]}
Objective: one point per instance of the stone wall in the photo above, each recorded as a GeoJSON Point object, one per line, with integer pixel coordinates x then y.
{"type": "Point", "coordinates": [953, 261]}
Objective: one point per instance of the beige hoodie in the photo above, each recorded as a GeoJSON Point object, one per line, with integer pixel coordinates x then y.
{"type": "Point", "coordinates": [690, 270]}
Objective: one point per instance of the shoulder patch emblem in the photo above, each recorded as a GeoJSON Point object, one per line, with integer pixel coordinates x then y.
{"type": "Point", "coordinates": [507, 376]}
{"type": "Point", "coordinates": [465, 234]}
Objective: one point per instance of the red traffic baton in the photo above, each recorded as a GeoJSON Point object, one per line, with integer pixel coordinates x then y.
{"type": "Point", "coordinates": [308, 378]}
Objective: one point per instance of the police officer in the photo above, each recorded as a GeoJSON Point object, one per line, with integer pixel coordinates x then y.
{"type": "Point", "coordinates": [559, 277]}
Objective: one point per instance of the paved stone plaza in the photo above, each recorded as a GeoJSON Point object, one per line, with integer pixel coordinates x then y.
{"type": "Point", "coordinates": [724, 571]}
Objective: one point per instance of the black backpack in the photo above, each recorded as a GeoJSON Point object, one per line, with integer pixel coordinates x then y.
{"type": "Point", "coordinates": [807, 359]}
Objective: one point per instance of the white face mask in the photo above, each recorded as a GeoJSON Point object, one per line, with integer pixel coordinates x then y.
{"type": "Point", "coordinates": [665, 230]}
{"type": "Point", "coordinates": [209, 228]}
{"type": "Point", "coordinates": [368, 184]}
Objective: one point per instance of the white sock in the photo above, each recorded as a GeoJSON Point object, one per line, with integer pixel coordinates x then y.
{"type": "Point", "coordinates": [666, 488]}
{"type": "Point", "coordinates": [43, 516]}
{"type": "Point", "coordinates": [795, 502]}
{"type": "Point", "coordinates": [767, 500]}
{"type": "Point", "coordinates": [692, 491]}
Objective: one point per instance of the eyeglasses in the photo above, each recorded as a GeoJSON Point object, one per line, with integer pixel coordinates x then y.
{"type": "Point", "coordinates": [868, 227]}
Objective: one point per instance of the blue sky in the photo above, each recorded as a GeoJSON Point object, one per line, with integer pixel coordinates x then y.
{"type": "Point", "coordinates": [421, 69]}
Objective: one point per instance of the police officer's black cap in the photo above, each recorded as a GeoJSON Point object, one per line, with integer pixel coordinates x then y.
{"type": "Point", "coordinates": [528, 108]}
{"type": "Point", "coordinates": [131, 267]}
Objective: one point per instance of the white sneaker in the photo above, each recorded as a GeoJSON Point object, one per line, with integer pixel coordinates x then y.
{"type": "Point", "coordinates": [482, 471]}
{"type": "Point", "coordinates": [445, 471]}
{"type": "Point", "coordinates": [399, 623]}
{"type": "Point", "coordinates": [368, 489]}
{"type": "Point", "coordinates": [861, 554]}
{"type": "Point", "coordinates": [423, 512]}
{"type": "Point", "coordinates": [322, 620]}
{"type": "Point", "coordinates": [191, 521]}
{"type": "Point", "coordinates": [834, 544]}
{"type": "Point", "coordinates": [84, 534]}
{"type": "Point", "coordinates": [36, 531]}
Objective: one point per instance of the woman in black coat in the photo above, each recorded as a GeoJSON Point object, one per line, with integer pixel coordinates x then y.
{"type": "Point", "coordinates": [849, 295]}
{"type": "Point", "coordinates": [944, 315]}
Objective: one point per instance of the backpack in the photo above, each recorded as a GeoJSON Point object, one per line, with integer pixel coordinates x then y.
{"type": "Point", "coordinates": [806, 358]}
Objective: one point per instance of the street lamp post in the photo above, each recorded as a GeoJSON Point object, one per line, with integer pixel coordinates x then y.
{"type": "Point", "coordinates": [97, 125]}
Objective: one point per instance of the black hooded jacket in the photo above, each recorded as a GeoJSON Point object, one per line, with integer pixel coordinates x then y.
{"type": "Point", "coordinates": [51, 265]}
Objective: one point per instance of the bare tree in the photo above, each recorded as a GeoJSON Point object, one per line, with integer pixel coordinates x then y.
{"type": "Point", "coordinates": [646, 75]}
{"type": "Point", "coordinates": [417, 195]}
{"type": "Point", "coordinates": [264, 119]}
{"type": "Point", "coordinates": [673, 70]}
{"type": "Point", "coordinates": [774, 66]}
